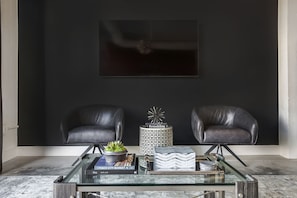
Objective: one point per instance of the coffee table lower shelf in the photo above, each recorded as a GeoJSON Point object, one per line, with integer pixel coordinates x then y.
{"type": "Point", "coordinates": [248, 189]}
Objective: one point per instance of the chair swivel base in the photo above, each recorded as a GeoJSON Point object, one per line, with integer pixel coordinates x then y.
{"type": "Point", "coordinates": [219, 149]}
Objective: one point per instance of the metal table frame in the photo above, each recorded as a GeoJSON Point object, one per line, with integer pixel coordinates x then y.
{"type": "Point", "coordinates": [241, 189]}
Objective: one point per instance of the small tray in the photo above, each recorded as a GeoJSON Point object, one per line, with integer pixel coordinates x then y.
{"type": "Point", "coordinates": [150, 168]}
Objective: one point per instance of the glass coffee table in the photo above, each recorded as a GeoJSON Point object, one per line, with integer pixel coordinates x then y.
{"type": "Point", "coordinates": [79, 183]}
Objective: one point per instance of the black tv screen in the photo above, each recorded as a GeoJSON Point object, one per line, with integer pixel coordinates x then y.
{"type": "Point", "coordinates": [148, 48]}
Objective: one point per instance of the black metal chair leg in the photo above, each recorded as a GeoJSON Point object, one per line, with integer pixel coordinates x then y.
{"type": "Point", "coordinates": [99, 146]}
{"type": "Point", "coordinates": [94, 149]}
{"type": "Point", "coordinates": [211, 148]}
{"type": "Point", "coordinates": [218, 148]}
{"type": "Point", "coordinates": [230, 151]}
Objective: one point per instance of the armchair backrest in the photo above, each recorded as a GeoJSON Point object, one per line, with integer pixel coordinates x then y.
{"type": "Point", "coordinates": [105, 116]}
{"type": "Point", "coordinates": [229, 116]}
{"type": "Point", "coordinates": [217, 115]}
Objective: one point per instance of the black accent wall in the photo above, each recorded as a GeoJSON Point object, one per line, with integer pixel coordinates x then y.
{"type": "Point", "coordinates": [59, 63]}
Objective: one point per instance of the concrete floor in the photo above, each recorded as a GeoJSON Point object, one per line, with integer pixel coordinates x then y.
{"type": "Point", "coordinates": [38, 165]}
{"type": "Point", "coordinates": [265, 165]}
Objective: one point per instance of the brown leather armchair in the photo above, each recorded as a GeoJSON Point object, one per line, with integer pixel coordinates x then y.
{"type": "Point", "coordinates": [221, 126]}
{"type": "Point", "coordinates": [93, 125]}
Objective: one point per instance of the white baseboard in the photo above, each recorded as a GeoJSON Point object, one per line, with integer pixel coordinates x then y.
{"type": "Point", "coordinates": [9, 144]}
{"type": "Point", "coordinates": [77, 150]}
{"type": "Point", "coordinates": [8, 154]}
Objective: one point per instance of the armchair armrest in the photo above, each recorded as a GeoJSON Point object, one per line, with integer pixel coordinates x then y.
{"type": "Point", "coordinates": [197, 126]}
{"type": "Point", "coordinates": [119, 124]}
{"type": "Point", "coordinates": [244, 120]}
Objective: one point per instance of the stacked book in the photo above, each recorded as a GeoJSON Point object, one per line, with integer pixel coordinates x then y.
{"type": "Point", "coordinates": [174, 158]}
{"type": "Point", "coordinates": [100, 166]}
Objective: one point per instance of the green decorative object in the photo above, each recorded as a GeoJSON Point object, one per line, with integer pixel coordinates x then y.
{"type": "Point", "coordinates": [115, 151]}
{"type": "Point", "coordinates": [115, 146]}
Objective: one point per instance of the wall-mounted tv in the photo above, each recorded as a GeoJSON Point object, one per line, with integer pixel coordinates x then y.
{"type": "Point", "coordinates": [148, 48]}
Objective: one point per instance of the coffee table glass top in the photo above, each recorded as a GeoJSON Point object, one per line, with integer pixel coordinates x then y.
{"type": "Point", "coordinates": [144, 177]}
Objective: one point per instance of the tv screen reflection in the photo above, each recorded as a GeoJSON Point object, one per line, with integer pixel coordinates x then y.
{"type": "Point", "coordinates": [148, 48]}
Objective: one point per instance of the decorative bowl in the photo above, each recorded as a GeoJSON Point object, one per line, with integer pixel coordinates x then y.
{"type": "Point", "coordinates": [112, 157]}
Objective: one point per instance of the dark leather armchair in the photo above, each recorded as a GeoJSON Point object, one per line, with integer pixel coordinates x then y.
{"type": "Point", "coordinates": [93, 125]}
{"type": "Point", "coordinates": [221, 126]}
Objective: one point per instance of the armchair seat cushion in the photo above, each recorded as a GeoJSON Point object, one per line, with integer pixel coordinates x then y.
{"type": "Point", "coordinates": [218, 134]}
{"type": "Point", "coordinates": [90, 134]}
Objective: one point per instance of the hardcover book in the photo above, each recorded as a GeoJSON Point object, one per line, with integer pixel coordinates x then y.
{"type": "Point", "coordinates": [100, 166]}
{"type": "Point", "coordinates": [128, 163]}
